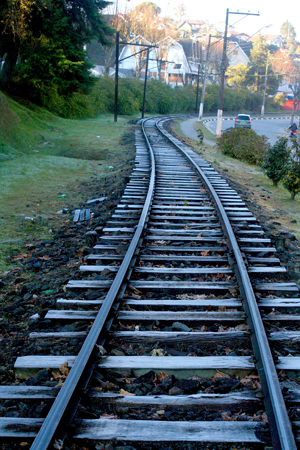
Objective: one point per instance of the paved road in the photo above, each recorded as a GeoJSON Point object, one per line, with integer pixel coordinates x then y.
{"type": "Point", "coordinates": [187, 127]}
{"type": "Point", "coordinates": [269, 127]}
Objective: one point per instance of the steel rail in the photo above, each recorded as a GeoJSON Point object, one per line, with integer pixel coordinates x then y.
{"type": "Point", "coordinates": [51, 423]}
{"type": "Point", "coordinates": [280, 426]}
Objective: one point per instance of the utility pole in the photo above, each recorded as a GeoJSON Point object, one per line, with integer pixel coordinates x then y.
{"type": "Point", "coordinates": [204, 81]}
{"type": "Point", "coordinates": [117, 75]}
{"type": "Point", "coordinates": [197, 88]}
{"type": "Point", "coordinates": [145, 84]}
{"type": "Point", "coordinates": [223, 70]}
{"type": "Point", "coordinates": [265, 88]}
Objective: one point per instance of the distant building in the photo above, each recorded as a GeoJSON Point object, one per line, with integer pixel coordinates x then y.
{"type": "Point", "coordinates": [275, 39]}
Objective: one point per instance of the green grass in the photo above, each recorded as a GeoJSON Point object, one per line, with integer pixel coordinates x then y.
{"type": "Point", "coordinates": [206, 132]}
{"type": "Point", "coordinates": [44, 156]}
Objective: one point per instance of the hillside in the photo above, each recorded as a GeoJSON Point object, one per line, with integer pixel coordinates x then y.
{"type": "Point", "coordinates": [47, 164]}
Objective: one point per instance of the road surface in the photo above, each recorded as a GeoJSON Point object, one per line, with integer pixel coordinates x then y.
{"type": "Point", "coordinates": [269, 127]}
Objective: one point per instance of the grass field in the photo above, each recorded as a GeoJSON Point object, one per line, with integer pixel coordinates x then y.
{"type": "Point", "coordinates": [43, 161]}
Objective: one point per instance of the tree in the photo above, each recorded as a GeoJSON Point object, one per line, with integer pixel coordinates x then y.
{"type": "Point", "coordinates": [287, 30]}
{"type": "Point", "coordinates": [237, 75]}
{"type": "Point", "coordinates": [180, 11]}
{"type": "Point", "coordinates": [43, 42]}
{"type": "Point", "coordinates": [145, 20]}
{"type": "Point", "coordinates": [289, 70]}
{"type": "Point", "coordinates": [260, 58]}
{"type": "Point", "coordinates": [276, 159]}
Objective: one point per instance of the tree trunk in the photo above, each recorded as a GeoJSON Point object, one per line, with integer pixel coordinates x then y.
{"type": "Point", "coordinates": [275, 183]}
{"type": "Point", "coordinates": [9, 64]}
{"type": "Point", "coordinates": [293, 195]}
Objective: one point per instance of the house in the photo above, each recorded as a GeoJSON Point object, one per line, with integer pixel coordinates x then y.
{"type": "Point", "coordinates": [275, 39]}
{"type": "Point", "coordinates": [245, 44]}
{"type": "Point", "coordinates": [131, 60]}
{"type": "Point", "coordinates": [189, 27]}
{"type": "Point", "coordinates": [235, 54]}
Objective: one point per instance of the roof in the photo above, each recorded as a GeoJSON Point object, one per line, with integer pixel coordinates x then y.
{"type": "Point", "coordinates": [246, 46]}
{"type": "Point", "coordinates": [271, 37]}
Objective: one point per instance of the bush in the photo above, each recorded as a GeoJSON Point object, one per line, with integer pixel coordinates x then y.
{"type": "Point", "coordinates": [243, 144]}
{"type": "Point", "coordinates": [291, 180]}
{"type": "Point", "coordinates": [276, 159]}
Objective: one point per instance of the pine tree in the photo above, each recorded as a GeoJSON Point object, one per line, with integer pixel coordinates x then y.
{"type": "Point", "coordinates": [287, 31]}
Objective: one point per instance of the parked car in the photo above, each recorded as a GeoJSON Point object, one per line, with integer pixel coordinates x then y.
{"type": "Point", "coordinates": [242, 120]}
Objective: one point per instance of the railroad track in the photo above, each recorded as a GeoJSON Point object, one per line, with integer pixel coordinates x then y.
{"type": "Point", "coordinates": [170, 320]}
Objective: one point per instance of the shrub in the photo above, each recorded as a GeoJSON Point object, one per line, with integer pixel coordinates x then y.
{"type": "Point", "coordinates": [276, 159]}
{"type": "Point", "coordinates": [243, 144]}
{"type": "Point", "coordinates": [200, 136]}
{"type": "Point", "coordinates": [291, 180]}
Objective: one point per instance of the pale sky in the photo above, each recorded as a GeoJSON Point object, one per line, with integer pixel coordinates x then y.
{"type": "Point", "coordinates": [215, 11]}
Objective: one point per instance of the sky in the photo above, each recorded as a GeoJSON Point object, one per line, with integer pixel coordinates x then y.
{"type": "Point", "coordinates": [215, 11]}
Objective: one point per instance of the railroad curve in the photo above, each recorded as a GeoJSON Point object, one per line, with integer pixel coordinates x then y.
{"type": "Point", "coordinates": [174, 310]}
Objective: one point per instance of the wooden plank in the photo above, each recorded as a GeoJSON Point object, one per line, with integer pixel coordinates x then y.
{"type": "Point", "coordinates": [258, 249]}
{"type": "Point", "coordinates": [150, 315]}
{"type": "Point", "coordinates": [143, 362]}
{"type": "Point", "coordinates": [86, 284]}
{"type": "Point", "coordinates": [261, 260]}
{"type": "Point", "coordinates": [159, 284]}
{"type": "Point", "coordinates": [168, 431]}
{"type": "Point", "coordinates": [179, 336]}
{"type": "Point", "coordinates": [185, 249]}
{"type": "Point", "coordinates": [291, 287]}
{"type": "Point", "coordinates": [200, 225]}
{"type": "Point", "coordinates": [269, 270]}
{"type": "Point", "coordinates": [28, 392]}
{"type": "Point", "coordinates": [179, 270]}
{"type": "Point", "coordinates": [98, 268]}
{"type": "Point", "coordinates": [290, 336]}
{"type": "Point", "coordinates": [176, 362]}
{"type": "Point", "coordinates": [254, 240]}
{"type": "Point", "coordinates": [211, 402]}
{"type": "Point", "coordinates": [190, 303]}
{"type": "Point", "coordinates": [118, 229]}
{"type": "Point", "coordinates": [181, 238]}
{"type": "Point", "coordinates": [199, 259]}
{"type": "Point", "coordinates": [16, 427]}
{"type": "Point", "coordinates": [58, 335]}
{"type": "Point", "coordinates": [105, 257]}
{"type": "Point", "coordinates": [70, 315]}
{"type": "Point", "coordinates": [188, 231]}
{"type": "Point", "coordinates": [282, 317]}
{"type": "Point", "coordinates": [76, 215]}
{"type": "Point", "coordinates": [279, 302]}
{"type": "Point", "coordinates": [180, 315]}
{"type": "Point", "coordinates": [288, 363]}
{"type": "Point", "coordinates": [60, 303]}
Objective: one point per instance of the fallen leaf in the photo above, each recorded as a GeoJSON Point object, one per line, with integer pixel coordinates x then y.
{"type": "Point", "coordinates": [64, 368]}
{"type": "Point", "coordinates": [220, 375]}
{"type": "Point", "coordinates": [108, 416]}
{"type": "Point", "coordinates": [123, 392]}
{"type": "Point", "coordinates": [136, 291]}
{"type": "Point", "coordinates": [226, 417]}
{"type": "Point", "coordinates": [162, 375]}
